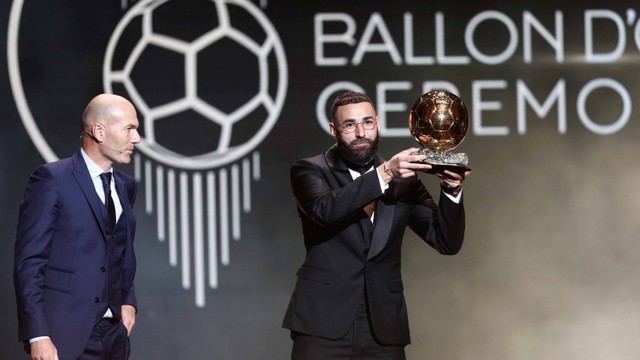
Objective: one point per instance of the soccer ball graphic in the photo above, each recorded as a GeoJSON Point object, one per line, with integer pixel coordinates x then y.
{"type": "Point", "coordinates": [208, 78]}
{"type": "Point", "coordinates": [439, 120]}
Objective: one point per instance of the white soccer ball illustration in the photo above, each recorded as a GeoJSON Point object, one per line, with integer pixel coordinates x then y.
{"type": "Point", "coordinates": [208, 78]}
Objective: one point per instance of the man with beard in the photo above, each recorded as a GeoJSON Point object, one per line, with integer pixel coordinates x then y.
{"type": "Point", "coordinates": [354, 207]}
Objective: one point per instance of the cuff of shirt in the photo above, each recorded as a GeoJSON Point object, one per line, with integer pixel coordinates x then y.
{"type": "Point", "coordinates": [38, 338]}
{"type": "Point", "coordinates": [455, 199]}
{"type": "Point", "coordinates": [383, 186]}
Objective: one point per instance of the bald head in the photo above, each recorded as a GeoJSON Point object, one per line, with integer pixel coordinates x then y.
{"type": "Point", "coordinates": [103, 108]}
{"type": "Point", "coordinates": [111, 125]}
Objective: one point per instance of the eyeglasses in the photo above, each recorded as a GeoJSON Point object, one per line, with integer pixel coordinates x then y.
{"type": "Point", "coordinates": [350, 126]}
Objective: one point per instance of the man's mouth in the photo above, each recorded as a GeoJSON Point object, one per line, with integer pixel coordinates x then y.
{"type": "Point", "coordinates": [360, 143]}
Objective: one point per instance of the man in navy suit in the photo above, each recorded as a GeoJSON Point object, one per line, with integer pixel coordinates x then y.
{"type": "Point", "coordinates": [354, 206]}
{"type": "Point", "coordinates": [74, 259]}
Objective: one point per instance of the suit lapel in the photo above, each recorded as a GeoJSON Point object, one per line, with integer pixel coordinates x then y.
{"type": "Point", "coordinates": [341, 173]}
{"type": "Point", "coordinates": [384, 219]}
{"type": "Point", "coordinates": [338, 167]}
{"type": "Point", "coordinates": [81, 173]}
{"type": "Point", "coordinates": [384, 213]}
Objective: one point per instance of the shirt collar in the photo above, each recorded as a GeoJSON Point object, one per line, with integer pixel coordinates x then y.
{"type": "Point", "coordinates": [94, 169]}
{"type": "Point", "coordinates": [357, 174]}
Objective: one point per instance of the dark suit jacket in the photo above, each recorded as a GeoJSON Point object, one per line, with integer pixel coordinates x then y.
{"type": "Point", "coordinates": [61, 259]}
{"type": "Point", "coordinates": [342, 263]}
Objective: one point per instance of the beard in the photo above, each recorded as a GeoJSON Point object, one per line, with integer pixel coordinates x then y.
{"type": "Point", "coordinates": [359, 157]}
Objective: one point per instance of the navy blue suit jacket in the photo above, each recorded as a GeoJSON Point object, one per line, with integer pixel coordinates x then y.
{"type": "Point", "coordinates": [61, 254]}
{"type": "Point", "coordinates": [346, 255]}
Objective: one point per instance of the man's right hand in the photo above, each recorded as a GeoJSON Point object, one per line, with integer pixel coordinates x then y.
{"type": "Point", "coordinates": [44, 350]}
{"type": "Point", "coordinates": [404, 164]}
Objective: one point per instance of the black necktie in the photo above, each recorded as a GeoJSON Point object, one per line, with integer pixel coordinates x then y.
{"type": "Point", "coordinates": [108, 200]}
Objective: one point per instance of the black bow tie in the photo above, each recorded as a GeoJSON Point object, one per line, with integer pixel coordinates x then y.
{"type": "Point", "coordinates": [358, 168]}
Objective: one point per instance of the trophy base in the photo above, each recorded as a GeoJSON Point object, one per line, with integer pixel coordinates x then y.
{"type": "Point", "coordinates": [441, 161]}
{"type": "Point", "coordinates": [456, 168]}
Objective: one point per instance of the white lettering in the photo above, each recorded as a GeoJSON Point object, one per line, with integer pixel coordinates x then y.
{"type": "Point", "coordinates": [557, 42]}
{"type": "Point", "coordinates": [321, 38]}
{"type": "Point", "coordinates": [491, 59]}
{"type": "Point", "coordinates": [481, 103]}
{"type": "Point", "coordinates": [440, 45]}
{"type": "Point", "coordinates": [376, 22]}
{"type": "Point", "coordinates": [582, 104]}
{"type": "Point", "coordinates": [479, 106]}
{"type": "Point", "coordinates": [636, 33]}
{"type": "Point", "coordinates": [385, 107]}
{"type": "Point", "coordinates": [323, 101]}
{"type": "Point", "coordinates": [410, 58]}
{"type": "Point", "coordinates": [614, 54]}
{"type": "Point", "coordinates": [557, 95]}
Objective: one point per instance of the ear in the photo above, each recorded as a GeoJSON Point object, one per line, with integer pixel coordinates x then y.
{"type": "Point", "coordinates": [332, 129]}
{"type": "Point", "coordinates": [98, 132]}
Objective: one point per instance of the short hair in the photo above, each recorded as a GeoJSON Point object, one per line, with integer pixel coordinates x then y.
{"type": "Point", "coordinates": [349, 97]}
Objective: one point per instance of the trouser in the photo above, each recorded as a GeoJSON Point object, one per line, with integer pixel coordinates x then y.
{"type": "Point", "coordinates": [108, 341]}
{"type": "Point", "coordinates": [358, 344]}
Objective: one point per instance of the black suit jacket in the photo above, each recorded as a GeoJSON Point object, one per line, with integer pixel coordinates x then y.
{"type": "Point", "coordinates": [346, 255]}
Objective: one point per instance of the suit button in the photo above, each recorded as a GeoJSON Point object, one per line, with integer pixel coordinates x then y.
{"type": "Point", "coordinates": [96, 300]}
{"type": "Point", "coordinates": [103, 269]}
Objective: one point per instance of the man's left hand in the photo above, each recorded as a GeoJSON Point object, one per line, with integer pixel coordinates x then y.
{"type": "Point", "coordinates": [128, 317]}
{"type": "Point", "coordinates": [451, 182]}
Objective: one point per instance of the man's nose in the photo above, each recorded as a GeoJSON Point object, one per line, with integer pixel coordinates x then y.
{"type": "Point", "coordinates": [136, 137]}
{"type": "Point", "coordinates": [360, 131]}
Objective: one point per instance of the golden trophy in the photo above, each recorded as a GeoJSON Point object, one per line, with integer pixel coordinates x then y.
{"type": "Point", "coordinates": [439, 121]}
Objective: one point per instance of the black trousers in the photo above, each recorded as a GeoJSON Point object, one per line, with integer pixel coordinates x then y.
{"type": "Point", "coordinates": [358, 344]}
{"type": "Point", "coordinates": [108, 341]}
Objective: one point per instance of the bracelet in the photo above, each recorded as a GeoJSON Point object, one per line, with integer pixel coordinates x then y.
{"type": "Point", "coordinates": [386, 169]}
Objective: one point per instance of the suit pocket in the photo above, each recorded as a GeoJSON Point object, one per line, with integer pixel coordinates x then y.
{"type": "Point", "coordinates": [395, 285]}
{"type": "Point", "coordinates": [58, 279]}
{"type": "Point", "coordinates": [315, 274]}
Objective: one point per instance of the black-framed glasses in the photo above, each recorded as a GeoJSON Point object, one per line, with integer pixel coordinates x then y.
{"type": "Point", "coordinates": [348, 127]}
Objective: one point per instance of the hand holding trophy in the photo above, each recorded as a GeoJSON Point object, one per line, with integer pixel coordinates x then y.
{"type": "Point", "coordinates": [439, 121]}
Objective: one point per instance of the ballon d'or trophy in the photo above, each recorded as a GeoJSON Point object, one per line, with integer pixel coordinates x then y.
{"type": "Point", "coordinates": [439, 122]}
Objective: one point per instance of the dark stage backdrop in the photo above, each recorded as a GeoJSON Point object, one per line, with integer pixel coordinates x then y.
{"type": "Point", "coordinates": [231, 92]}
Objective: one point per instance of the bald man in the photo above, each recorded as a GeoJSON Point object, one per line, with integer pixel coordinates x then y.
{"type": "Point", "coordinates": [74, 262]}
